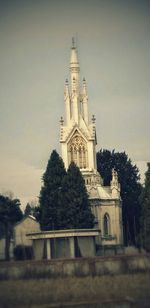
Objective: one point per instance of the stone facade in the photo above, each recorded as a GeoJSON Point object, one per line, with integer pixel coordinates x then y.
{"type": "Point", "coordinates": [78, 143]}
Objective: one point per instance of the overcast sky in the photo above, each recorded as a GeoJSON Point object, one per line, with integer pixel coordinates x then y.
{"type": "Point", "coordinates": [113, 40]}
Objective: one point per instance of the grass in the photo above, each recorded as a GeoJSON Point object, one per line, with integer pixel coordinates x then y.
{"type": "Point", "coordinates": [49, 292]}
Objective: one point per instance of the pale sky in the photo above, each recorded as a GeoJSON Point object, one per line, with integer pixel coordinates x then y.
{"type": "Point", "coordinates": [113, 40]}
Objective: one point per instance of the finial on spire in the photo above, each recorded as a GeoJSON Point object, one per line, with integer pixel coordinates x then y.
{"type": "Point", "coordinates": [114, 177]}
{"type": "Point", "coordinates": [61, 121]}
{"type": "Point", "coordinates": [93, 119]}
{"type": "Point", "coordinates": [84, 86]}
{"type": "Point", "coordinates": [73, 42]}
{"type": "Point", "coordinates": [115, 185]}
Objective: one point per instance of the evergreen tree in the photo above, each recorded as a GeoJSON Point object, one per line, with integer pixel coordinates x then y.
{"type": "Point", "coordinates": [33, 209]}
{"type": "Point", "coordinates": [145, 211]}
{"type": "Point", "coordinates": [50, 193]}
{"type": "Point", "coordinates": [128, 176]}
{"type": "Point", "coordinates": [28, 210]}
{"type": "Point", "coordinates": [76, 211]}
{"type": "Point", "coordinates": [37, 213]}
{"type": "Point", "coordinates": [10, 213]}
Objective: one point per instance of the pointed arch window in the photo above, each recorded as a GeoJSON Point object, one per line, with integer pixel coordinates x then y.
{"type": "Point", "coordinates": [106, 225]}
{"type": "Point", "coordinates": [84, 157]}
{"type": "Point", "coordinates": [78, 151]}
{"type": "Point", "coordinates": [80, 156]}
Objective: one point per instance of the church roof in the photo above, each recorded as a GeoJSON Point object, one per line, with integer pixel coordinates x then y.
{"type": "Point", "coordinates": [99, 192]}
{"type": "Point", "coordinates": [104, 192]}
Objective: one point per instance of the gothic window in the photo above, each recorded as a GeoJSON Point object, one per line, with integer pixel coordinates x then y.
{"type": "Point", "coordinates": [78, 151]}
{"type": "Point", "coordinates": [106, 224]}
{"type": "Point", "coordinates": [80, 157]}
{"type": "Point", "coordinates": [75, 155]}
{"type": "Point", "coordinates": [71, 154]}
{"type": "Point", "coordinates": [84, 157]}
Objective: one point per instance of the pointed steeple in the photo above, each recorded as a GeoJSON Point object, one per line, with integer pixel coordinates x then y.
{"type": "Point", "coordinates": [74, 67]}
{"type": "Point", "coordinates": [66, 92]}
{"type": "Point", "coordinates": [78, 137]}
{"type": "Point", "coordinates": [74, 58]}
{"type": "Point", "coordinates": [67, 102]}
{"type": "Point", "coordinates": [115, 185]}
{"type": "Point", "coordinates": [85, 102]}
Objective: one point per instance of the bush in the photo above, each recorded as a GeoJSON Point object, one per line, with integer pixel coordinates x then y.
{"type": "Point", "coordinates": [22, 252]}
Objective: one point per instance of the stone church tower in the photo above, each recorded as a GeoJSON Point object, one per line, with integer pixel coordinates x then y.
{"type": "Point", "coordinates": [78, 144]}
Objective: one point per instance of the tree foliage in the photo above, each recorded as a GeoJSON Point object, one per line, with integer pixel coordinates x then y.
{"type": "Point", "coordinates": [63, 198]}
{"type": "Point", "coordinates": [10, 213]}
{"type": "Point", "coordinates": [33, 209]}
{"type": "Point", "coordinates": [50, 192]}
{"type": "Point", "coordinates": [145, 211]}
{"type": "Point", "coordinates": [128, 175]}
{"type": "Point", "coordinates": [28, 210]}
{"type": "Point", "coordinates": [76, 211]}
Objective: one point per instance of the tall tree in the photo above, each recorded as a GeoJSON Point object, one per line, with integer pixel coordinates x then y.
{"type": "Point", "coordinates": [76, 211]}
{"type": "Point", "coordinates": [28, 210]}
{"type": "Point", "coordinates": [10, 213]}
{"type": "Point", "coordinates": [50, 192]}
{"type": "Point", "coordinates": [33, 209]}
{"type": "Point", "coordinates": [145, 211]}
{"type": "Point", "coordinates": [128, 175]}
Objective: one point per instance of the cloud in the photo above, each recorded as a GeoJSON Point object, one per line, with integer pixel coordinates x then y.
{"type": "Point", "coordinates": [22, 179]}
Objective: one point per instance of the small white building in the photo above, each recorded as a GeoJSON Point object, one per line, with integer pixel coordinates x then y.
{"type": "Point", "coordinates": [64, 243]}
{"type": "Point", "coordinates": [27, 225]}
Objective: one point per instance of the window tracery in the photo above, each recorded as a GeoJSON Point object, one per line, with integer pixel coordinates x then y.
{"type": "Point", "coordinates": [78, 151]}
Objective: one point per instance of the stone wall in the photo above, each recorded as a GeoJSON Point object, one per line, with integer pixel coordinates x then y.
{"type": "Point", "coordinates": [79, 267]}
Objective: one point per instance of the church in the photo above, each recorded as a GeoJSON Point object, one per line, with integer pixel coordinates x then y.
{"type": "Point", "coordinates": [78, 143]}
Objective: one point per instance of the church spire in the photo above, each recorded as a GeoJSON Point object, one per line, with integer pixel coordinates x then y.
{"type": "Point", "coordinates": [67, 102]}
{"type": "Point", "coordinates": [78, 136]}
{"type": "Point", "coordinates": [74, 68]}
{"type": "Point", "coordinates": [85, 102]}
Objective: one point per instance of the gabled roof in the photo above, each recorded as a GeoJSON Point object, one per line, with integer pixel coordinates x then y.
{"type": "Point", "coordinates": [24, 218]}
{"type": "Point", "coordinates": [100, 192]}
{"type": "Point", "coordinates": [74, 129]}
